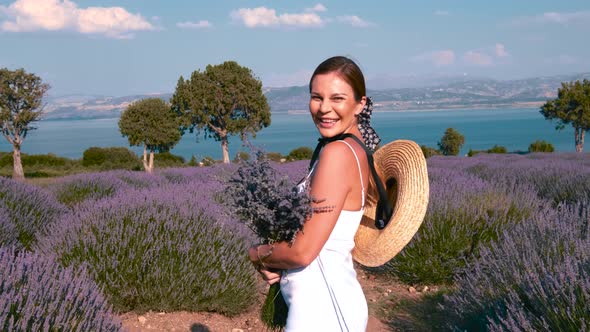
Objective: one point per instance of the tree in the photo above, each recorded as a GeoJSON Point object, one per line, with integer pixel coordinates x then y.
{"type": "Point", "coordinates": [21, 94]}
{"type": "Point", "coordinates": [152, 123]}
{"type": "Point", "coordinates": [451, 142]}
{"type": "Point", "coordinates": [223, 100]}
{"type": "Point", "coordinates": [571, 107]}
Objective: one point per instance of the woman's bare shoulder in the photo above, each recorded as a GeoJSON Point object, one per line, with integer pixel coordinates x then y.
{"type": "Point", "coordinates": [336, 159]}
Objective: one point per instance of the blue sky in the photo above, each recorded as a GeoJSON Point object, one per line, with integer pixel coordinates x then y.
{"type": "Point", "coordinates": [134, 47]}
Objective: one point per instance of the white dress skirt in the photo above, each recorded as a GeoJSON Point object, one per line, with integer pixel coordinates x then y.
{"type": "Point", "coordinates": [326, 295]}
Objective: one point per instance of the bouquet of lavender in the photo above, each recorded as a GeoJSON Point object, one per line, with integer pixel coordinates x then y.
{"type": "Point", "coordinates": [275, 209]}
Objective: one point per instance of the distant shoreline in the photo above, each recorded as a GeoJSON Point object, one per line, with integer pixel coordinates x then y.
{"type": "Point", "coordinates": [434, 109]}
{"type": "Point", "coordinates": [376, 110]}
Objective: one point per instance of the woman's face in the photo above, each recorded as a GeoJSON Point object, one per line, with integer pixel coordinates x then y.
{"type": "Point", "coordinates": [332, 105]}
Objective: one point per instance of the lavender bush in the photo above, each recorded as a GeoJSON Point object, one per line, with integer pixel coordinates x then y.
{"type": "Point", "coordinates": [217, 173]}
{"type": "Point", "coordinates": [169, 248]}
{"type": "Point", "coordinates": [139, 179]}
{"type": "Point", "coordinates": [8, 230]}
{"type": "Point", "coordinates": [464, 213]}
{"type": "Point", "coordinates": [25, 211]}
{"type": "Point", "coordinates": [36, 294]}
{"type": "Point", "coordinates": [558, 177]}
{"type": "Point", "coordinates": [535, 278]}
{"type": "Point", "coordinates": [74, 189]}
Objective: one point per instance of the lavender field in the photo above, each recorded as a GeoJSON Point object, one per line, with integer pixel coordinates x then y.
{"type": "Point", "coordinates": [507, 235]}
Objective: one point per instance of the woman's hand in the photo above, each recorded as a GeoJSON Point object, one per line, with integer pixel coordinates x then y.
{"type": "Point", "coordinates": [269, 275]}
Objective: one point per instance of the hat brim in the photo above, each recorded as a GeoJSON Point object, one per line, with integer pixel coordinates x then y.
{"type": "Point", "coordinates": [403, 161]}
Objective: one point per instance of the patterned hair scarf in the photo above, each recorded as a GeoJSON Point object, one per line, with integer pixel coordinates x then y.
{"type": "Point", "coordinates": [364, 123]}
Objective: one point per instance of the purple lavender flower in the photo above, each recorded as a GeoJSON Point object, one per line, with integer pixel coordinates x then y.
{"type": "Point", "coordinates": [25, 211]}
{"type": "Point", "coordinates": [536, 277]}
{"type": "Point", "coordinates": [271, 206]}
{"type": "Point", "coordinates": [8, 230]}
{"type": "Point", "coordinates": [38, 295]}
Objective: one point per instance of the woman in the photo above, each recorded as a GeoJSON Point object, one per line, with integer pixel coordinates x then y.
{"type": "Point", "coordinates": [316, 272]}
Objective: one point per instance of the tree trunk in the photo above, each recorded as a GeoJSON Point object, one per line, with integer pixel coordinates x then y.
{"type": "Point", "coordinates": [224, 147]}
{"type": "Point", "coordinates": [146, 166]}
{"type": "Point", "coordinates": [579, 134]}
{"type": "Point", "coordinates": [17, 170]}
{"type": "Point", "coordinates": [151, 166]}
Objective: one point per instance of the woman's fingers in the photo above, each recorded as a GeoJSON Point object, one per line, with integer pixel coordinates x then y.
{"type": "Point", "coordinates": [268, 275]}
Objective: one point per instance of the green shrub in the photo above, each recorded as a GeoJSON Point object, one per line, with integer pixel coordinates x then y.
{"type": "Point", "coordinates": [472, 153]}
{"type": "Point", "coordinates": [274, 156]}
{"type": "Point", "coordinates": [49, 160]}
{"type": "Point", "coordinates": [5, 159]}
{"type": "Point", "coordinates": [208, 161]}
{"type": "Point", "coordinates": [193, 162]}
{"type": "Point", "coordinates": [167, 159]}
{"type": "Point", "coordinates": [110, 158]}
{"type": "Point", "coordinates": [497, 149]}
{"type": "Point", "coordinates": [241, 156]}
{"type": "Point", "coordinates": [541, 146]}
{"type": "Point", "coordinates": [428, 151]}
{"type": "Point", "coordinates": [300, 153]}
{"type": "Point", "coordinates": [94, 156]}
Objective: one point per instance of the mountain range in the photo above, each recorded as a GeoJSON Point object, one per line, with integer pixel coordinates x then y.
{"type": "Point", "coordinates": [455, 93]}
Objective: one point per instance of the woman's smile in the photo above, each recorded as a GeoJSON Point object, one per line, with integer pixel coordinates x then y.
{"type": "Point", "coordinates": [327, 123]}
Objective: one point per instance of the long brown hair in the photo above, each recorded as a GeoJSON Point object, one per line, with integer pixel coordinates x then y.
{"type": "Point", "coordinates": [350, 72]}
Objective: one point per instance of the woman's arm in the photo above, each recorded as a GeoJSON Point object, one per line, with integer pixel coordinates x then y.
{"type": "Point", "coordinates": [331, 182]}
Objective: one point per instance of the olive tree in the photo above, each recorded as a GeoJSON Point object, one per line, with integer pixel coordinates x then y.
{"type": "Point", "coordinates": [223, 100]}
{"type": "Point", "coordinates": [571, 107]}
{"type": "Point", "coordinates": [21, 94]}
{"type": "Point", "coordinates": [451, 142]}
{"type": "Point", "coordinates": [152, 123]}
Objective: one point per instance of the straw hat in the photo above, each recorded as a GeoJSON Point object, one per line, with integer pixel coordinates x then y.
{"type": "Point", "coordinates": [403, 161]}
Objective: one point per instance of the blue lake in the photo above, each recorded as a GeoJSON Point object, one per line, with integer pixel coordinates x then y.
{"type": "Point", "coordinates": [513, 128]}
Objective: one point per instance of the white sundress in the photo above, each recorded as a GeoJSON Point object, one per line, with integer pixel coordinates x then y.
{"type": "Point", "coordinates": [326, 295]}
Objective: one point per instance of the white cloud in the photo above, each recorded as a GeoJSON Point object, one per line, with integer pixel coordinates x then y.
{"type": "Point", "coordinates": [442, 13]}
{"type": "Point", "coordinates": [317, 8]}
{"type": "Point", "coordinates": [266, 17]}
{"type": "Point", "coordinates": [437, 58]}
{"type": "Point", "coordinates": [500, 50]}
{"type": "Point", "coordinates": [55, 15]}
{"type": "Point", "coordinates": [477, 58]}
{"type": "Point", "coordinates": [355, 21]}
{"type": "Point", "coordinates": [202, 24]}
{"type": "Point", "coordinates": [582, 17]}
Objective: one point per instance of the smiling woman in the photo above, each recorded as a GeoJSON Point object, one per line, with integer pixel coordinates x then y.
{"type": "Point", "coordinates": [315, 272]}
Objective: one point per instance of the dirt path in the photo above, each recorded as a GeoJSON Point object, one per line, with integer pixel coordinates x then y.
{"type": "Point", "coordinates": [379, 293]}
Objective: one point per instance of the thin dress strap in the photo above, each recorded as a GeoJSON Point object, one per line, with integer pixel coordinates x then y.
{"type": "Point", "coordinates": [360, 173]}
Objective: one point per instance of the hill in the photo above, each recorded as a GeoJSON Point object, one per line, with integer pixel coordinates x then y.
{"type": "Point", "coordinates": [476, 93]}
